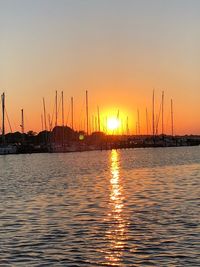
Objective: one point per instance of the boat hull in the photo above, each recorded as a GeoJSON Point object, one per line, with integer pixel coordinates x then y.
{"type": "Point", "coordinates": [6, 150]}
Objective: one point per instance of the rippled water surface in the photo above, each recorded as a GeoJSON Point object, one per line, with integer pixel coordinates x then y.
{"type": "Point", "coordinates": [135, 207]}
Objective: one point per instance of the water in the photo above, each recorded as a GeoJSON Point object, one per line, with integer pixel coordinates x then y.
{"type": "Point", "coordinates": [135, 207]}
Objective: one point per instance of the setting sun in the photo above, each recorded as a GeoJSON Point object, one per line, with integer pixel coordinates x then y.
{"type": "Point", "coordinates": [113, 124]}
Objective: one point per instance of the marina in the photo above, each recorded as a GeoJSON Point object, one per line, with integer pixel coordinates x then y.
{"type": "Point", "coordinates": [62, 138]}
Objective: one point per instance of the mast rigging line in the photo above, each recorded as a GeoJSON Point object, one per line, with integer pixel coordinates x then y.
{"type": "Point", "coordinates": [52, 117]}
{"type": "Point", "coordinates": [158, 118]}
{"type": "Point", "coordinates": [58, 110]}
{"type": "Point", "coordinates": [7, 117]}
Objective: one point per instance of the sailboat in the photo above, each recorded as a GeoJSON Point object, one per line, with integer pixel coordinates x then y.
{"type": "Point", "coordinates": [5, 148]}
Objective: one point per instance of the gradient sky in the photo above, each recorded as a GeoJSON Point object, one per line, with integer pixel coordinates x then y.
{"type": "Point", "coordinates": [118, 50]}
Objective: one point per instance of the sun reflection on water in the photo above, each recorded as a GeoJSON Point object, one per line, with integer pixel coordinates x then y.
{"type": "Point", "coordinates": [117, 226]}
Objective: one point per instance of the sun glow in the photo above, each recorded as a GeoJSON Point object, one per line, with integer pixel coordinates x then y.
{"type": "Point", "coordinates": [113, 124]}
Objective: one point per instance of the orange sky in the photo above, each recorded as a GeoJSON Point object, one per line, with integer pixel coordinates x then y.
{"type": "Point", "coordinates": [117, 50]}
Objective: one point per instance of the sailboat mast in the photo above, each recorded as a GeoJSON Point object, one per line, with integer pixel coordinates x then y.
{"type": "Point", "coordinates": [162, 112]}
{"type": "Point", "coordinates": [72, 113]}
{"type": "Point", "coordinates": [147, 124]}
{"type": "Point", "coordinates": [3, 117]}
{"type": "Point", "coordinates": [22, 123]}
{"type": "Point", "coordinates": [45, 118]}
{"type": "Point", "coordinates": [87, 121]}
{"type": "Point", "coordinates": [56, 122]}
{"type": "Point", "coordinates": [62, 109]}
{"type": "Point", "coordinates": [127, 126]}
{"type": "Point", "coordinates": [62, 118]}
{"type": "Point", "coordinates": [153, 114]}
{"type": "Point", "coordinates": [117, 130]}
{"type": "Point", "coordinates": [136, 128]}
{"type": "Point", "coordinates": [92, 127]}
{"type": "Point", "coordinates": [138, 115]}
{"type": "Point", "coordinates": [98, 114]}
{"type": "Point", "coordinates": [172, 117]}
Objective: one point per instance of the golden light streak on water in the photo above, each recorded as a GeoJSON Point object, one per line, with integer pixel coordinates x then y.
{"type": "Point", "coordinates": [116, 233]}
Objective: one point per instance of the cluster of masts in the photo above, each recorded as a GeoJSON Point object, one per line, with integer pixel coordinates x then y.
{"type": "Point", "coordinates": [156, 118]}
{"type": "Point", "coordinates": [99, 125]}
{"type": "Point", "coordinates": [56, 112]}
{"type": "Point", "coordinates": [95, 120]}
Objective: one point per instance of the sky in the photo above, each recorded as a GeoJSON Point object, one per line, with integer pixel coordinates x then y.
{"type": "Point", "coordinates": [118, 50]}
